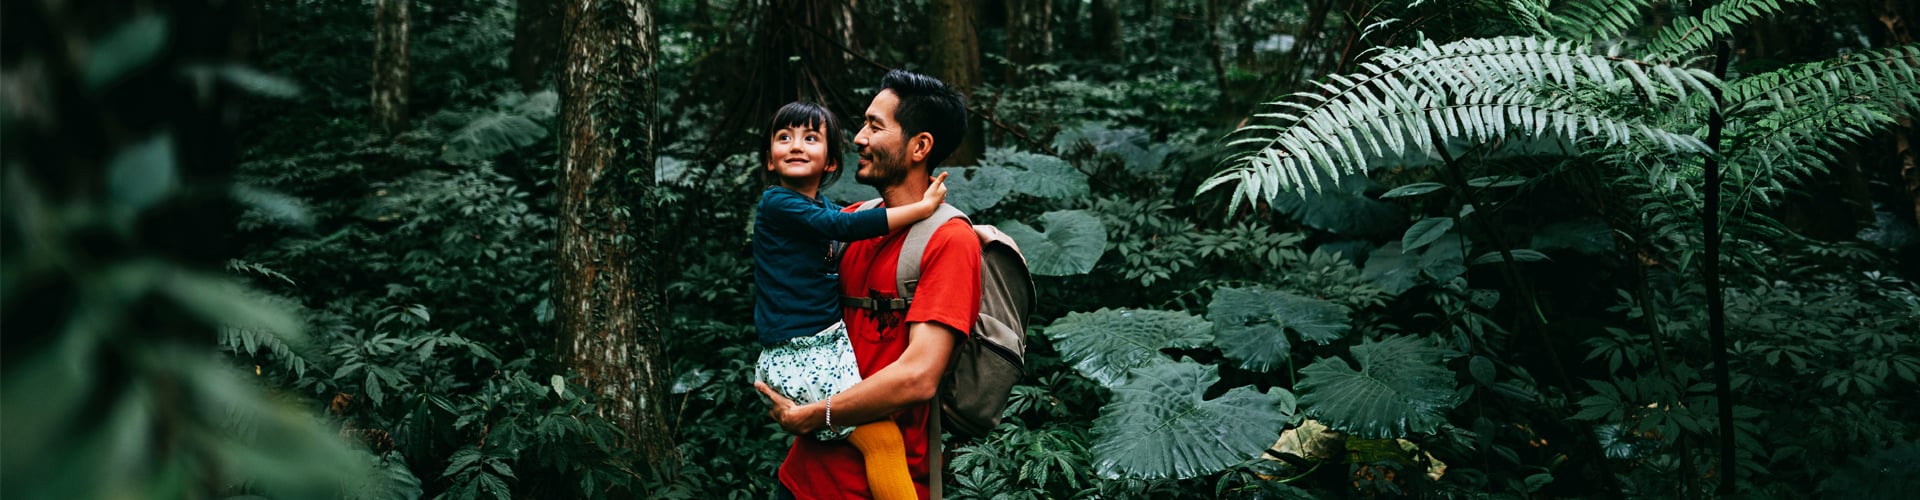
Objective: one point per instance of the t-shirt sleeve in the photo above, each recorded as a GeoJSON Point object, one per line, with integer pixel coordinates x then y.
{"type": "Point", "coordinates": [949, 289]}
{"type": "Point", "coordinates": [788, 210]}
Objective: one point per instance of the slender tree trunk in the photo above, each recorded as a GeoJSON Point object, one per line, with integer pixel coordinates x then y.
{"type": "Point", "coordinates": [1227, 109]}
{"type": "Point", "coordinates": [956, 60]}
{"type": "Point", "coordinates": [390, 86]}
{"type": "Point", "coordinates": [1106, 31]}
{"type": "Point", "coordinates": [1029, 37]}
{"type": "Point", "coordinates": [536, 43]}
{"type": "Point", "coordinates": [608, 298]}
{"type": "Point", "coordinates": [1716, 303]}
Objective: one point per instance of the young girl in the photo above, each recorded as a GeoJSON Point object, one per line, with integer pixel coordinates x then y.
{"type": "Point", "coordinates": [806, 355]}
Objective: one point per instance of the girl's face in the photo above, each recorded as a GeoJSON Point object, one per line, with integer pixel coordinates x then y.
{"type": "Point", "coordinates": [798, 154]}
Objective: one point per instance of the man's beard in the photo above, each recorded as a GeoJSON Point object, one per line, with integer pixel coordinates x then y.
{"type": "Point", "coordinates": [883, 169]}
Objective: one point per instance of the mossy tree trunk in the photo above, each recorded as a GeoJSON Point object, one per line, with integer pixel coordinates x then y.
{"type": "Point", "coordinates": [608, 297]}
{"type": "Point", "coordinates": [956, 60]}
{"type": "Point", "coordinates": [390, 85]}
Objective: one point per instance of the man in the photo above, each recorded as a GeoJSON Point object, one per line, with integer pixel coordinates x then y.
{"type": "Point", "coordinates": [913, 124]}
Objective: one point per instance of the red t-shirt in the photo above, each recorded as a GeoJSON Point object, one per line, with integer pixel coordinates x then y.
{"type": "Point", "coordinates": [948, 294]}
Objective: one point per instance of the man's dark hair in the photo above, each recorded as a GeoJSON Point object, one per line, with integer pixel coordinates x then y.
{"type": "Point", "coordinates": [928, 105]}
{"type": "Point", "coordinates": [810, 114]}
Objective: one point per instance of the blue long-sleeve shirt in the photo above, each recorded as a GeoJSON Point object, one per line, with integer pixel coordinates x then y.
{"type": "Point", "coordinates": [794, 272]}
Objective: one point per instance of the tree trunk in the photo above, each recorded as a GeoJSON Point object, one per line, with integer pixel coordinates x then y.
{"type": "Point", "coordinates": [1029, 37]}
{"type": "Point", "coordinates": [956, 60]}
{"type": "Point", "coordinates": [536, 43]}
{"type": "Point", "coordinates": [607, 293]}
{"type": "Point", "coordinates": [1106, 31]}
{"type": "Point", "coordinates": [390, 85]}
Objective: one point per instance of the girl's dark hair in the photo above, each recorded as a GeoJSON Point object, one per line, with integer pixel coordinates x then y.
{"type": "Point", "coordinates": [809, 114]}
{"type": "Point", "coordinates": [928, 105]}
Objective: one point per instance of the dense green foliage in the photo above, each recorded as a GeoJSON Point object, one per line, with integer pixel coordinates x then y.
{"type": "Point", "coordinates": [1457, 255]}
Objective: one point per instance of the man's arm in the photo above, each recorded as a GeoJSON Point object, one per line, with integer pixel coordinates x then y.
{"type": "Point", "coordinates": [909, 381]}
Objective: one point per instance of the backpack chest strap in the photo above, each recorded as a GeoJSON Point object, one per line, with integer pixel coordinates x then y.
{"type": "Point", "coordinates": [875, 304]}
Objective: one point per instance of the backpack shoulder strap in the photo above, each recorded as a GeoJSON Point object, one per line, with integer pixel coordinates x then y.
{"type": "Point", "coordinates": [906, 273]}
{"type": "Point", "coordinates": [869, 204]}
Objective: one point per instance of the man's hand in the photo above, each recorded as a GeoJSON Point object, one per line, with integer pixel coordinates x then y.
{"type": "Point", "coordinates": [792, 417]}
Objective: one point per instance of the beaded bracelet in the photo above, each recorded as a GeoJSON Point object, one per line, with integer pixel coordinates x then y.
{"type": "Point", "coordinates": [829, 413]}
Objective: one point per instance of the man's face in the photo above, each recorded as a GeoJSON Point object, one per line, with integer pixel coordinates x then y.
{"type": "Point", "coordinates": [881, 144]}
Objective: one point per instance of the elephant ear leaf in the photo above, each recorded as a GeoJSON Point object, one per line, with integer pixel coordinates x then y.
{"type": "Point", "coordinates": [1402, 388]}
{"type": "Point", "coordinates": [1105, 344]}
{"type": "Point", "coordinates": [1251, 324]}
{"type": "Point", "coordinates": [1158, 426]}
{"type": "Point", "coordinates": [1040, 176]}
{"type": "Point", "coordinates": [973, 189]}
{"type": "Point", "coordinates": [1071, 245]}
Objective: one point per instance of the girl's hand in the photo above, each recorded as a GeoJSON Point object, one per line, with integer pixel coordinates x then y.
{"type": "Point", "coordinates": [937, 191]}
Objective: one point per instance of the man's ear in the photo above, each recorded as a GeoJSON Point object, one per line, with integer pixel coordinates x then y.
{"type": "Point", "coordinates": [920, 146]}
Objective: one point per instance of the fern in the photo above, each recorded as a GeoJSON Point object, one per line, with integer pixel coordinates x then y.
{"type": "Point", "coordinates": [1889, 74]}
{"type": "Point", "coordinates": [1690, 34]}
{"type": "Point", "coordinates": [1591, 20]}
{"type": "Point", "coordinates": [1473, 90]}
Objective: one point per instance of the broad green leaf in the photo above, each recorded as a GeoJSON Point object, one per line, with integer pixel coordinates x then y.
{"type": "Point", "coordinates": [1342, 208]}
{"type": "Point", "coordinates": [1250, 324]}
{"type": "Point", "coordinates": [1415, 189]}
{"type": "Point", "coordinates": [1396, 271]}
{"type": "Point", "coordinates": [1103, 345]}
{"type": "Point", "coordinates": [1519, 255]}
{"type": "Point", "coordinates": [1039, 175]}
{"type": "Point", "coordinates": [142, 174]}
{"type": "Point", "coordinates": [1425, 231]}
{"type": "Point", "coordinates": [129, 46]}
{"type": "Point", "coordinates": [1159, 427]}
{"type": "Point", "coordinates": [1072, 243]}
{"type": "Point", "coordinates": [973, 189]}
{"type": "Point", "coordinates": [1497, 181]}
{"type": "Point", "coordinates": [1401, 388]}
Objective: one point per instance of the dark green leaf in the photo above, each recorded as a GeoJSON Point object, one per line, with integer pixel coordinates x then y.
{"type": "Point", "coordinates": [1415, 189]}
{"type": "Point", "coordinates": [1072, 244]}
{"type": "Point", "coordinates": [977, 188]}
{"type": "Point", "coordinates": [1105, 344]}
{"type": "Point", "coordinates": [129, 46]}
{"type": "Point", "coordinates": [1401, 388]}
{"type": "Point", "coordinates": [143, 174]}
{"type": "Point", "coordinates": [1039, 175]}
{"type": "Point", "coordinates": [1250, 325]}
{"type": "Point", "coordinates": [1158, 426]}
{"type": "Point", "coordinates": [1342, 208]}
{"type": "Point", "coordinates": [1425, 231]}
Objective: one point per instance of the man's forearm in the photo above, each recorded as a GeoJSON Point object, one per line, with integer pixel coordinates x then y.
{"type": "Point", "coordinates": [911, 380]}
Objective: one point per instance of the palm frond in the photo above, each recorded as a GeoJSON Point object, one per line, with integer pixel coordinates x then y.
{"type": "Point", "coordinates": [1689, 34]}
{"type": "Point", "coordinates": [1422, 97]}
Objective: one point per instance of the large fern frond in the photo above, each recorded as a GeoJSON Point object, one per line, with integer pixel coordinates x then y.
{"type": "Point", "coordinates": [1590, 20]}
{"type": "Point", "coordinates": [1689, 34]}
{"type": "Point", "coordinates": [1421, 97]}
{"type": "Point", "coordinates": [1888, 75]}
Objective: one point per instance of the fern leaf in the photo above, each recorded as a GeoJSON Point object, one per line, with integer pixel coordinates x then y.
{"type": "Point", "coordinates": [1592, 20]}
{"type": "Point", "coordinates": [1690, 34]}
{"type": "Point", "coordinates": [1473, 90]}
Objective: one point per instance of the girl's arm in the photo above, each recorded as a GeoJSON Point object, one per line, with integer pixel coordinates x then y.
{"type": "Point", "coordinates": [900, 217]}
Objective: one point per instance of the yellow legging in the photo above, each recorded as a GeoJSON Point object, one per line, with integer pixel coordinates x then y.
{"type": "Point", "coordinates": [886, 457]}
